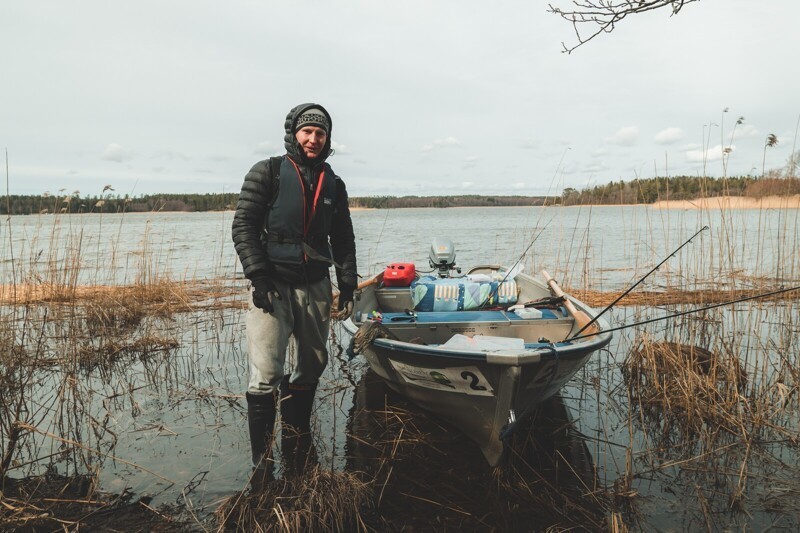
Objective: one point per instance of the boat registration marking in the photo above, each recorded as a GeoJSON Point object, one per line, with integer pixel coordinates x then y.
{"type": "Point", "coordinates": [461, 379]}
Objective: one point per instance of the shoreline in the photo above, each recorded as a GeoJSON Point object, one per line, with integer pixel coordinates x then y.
{"type": "Point", "coordinates": [717, 202]}
{"type": "Point", "coordinates": [732, 202]}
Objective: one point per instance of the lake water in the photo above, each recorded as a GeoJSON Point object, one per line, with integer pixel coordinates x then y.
{"type": "Point", "coordinates": [173, 422]}
{"type": "Point", "coordinates": [607, 246]}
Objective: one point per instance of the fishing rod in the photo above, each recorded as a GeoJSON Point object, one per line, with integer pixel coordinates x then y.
{"type": "Point", "coordinates": [558, 168]}
{"type": "Point", "coordinates": [714, 306]}
{"type": "Point", "coordinates": [510, 270]}
{"type": "Point", "coordinates": [624, 294]}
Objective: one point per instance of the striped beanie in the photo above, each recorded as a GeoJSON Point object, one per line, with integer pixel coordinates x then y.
{"type": "Point", "coordinates": [312, 117]}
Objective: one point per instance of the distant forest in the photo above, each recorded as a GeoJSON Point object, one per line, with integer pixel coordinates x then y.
{"type": "Point", "coordinates": [471, 200]}
{"type": "Point", "coordinates": [651, 190]}
{"type": "Point", "coordinates": [640, 191]}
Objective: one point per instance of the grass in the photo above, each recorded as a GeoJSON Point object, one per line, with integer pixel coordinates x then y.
{"type": "Point", "coordinates": [703, 405]}
{"type": "Point", "coordinates": [319, 500]}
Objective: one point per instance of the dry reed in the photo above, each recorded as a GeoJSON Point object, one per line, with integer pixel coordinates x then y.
{"type": "Point", "coordinates": [318, 500]}
{"type": "Point", "coordinates": [704, 397]}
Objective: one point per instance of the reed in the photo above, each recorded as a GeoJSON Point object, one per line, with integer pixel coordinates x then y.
{"type": "Point", "coordinates": [703, 406]}
{"type": "Point", "coordinates": [319, 500]}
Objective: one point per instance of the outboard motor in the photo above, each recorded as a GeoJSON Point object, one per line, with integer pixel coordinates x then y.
{"type": "Point", "coordinates": [443, 257]}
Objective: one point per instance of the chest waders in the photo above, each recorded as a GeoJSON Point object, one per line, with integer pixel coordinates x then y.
{"type": "Point", "coordinates": [296, 230]}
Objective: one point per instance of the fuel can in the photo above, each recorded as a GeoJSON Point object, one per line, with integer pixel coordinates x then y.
{"type": "Point", "coordinates": [399, 275]}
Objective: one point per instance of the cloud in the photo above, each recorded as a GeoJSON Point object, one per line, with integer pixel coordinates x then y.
{"type": "Point", "coordinates": [624, 137]}
{"type": "Point", "coordinates": [441, 143]}
{"type": "Point", "coordinates": [530, 145]}
{"type": "Point", "coordinates": [595, 167]}
{"type": "Point", "coordinates": [712, 154]}
{"type": "Point", "coordinates": [668, 136]}
{"type": "Point", "coordinates": [269, 148]}
{"type": "Point", "coordinates": [746, 131]}
{"type": "Point", "coordinates": [518, 185]}
{"type": "Point", "coordinates": [466, 184]}
{"type": "Point", "coordinates": [600, 152]}
{"type": "Point", "coordinates": [169, 155]}
{"type": "Point", "coordinates": [340, 149]}
{"type": "Point", "coordinates": [116, 153]}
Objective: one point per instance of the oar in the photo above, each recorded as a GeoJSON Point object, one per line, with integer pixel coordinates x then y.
{"type": "Point", "coordinates": [581, 318]}
{"type": "Point", "coordinates": [371, 281]}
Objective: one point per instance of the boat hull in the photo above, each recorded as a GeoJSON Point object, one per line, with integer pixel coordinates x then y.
{"type": "Point", "coordinates": [483, 393]}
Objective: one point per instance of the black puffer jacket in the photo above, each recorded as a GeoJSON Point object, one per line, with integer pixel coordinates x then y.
{"type": "Point", "coordinates": [251, 213]}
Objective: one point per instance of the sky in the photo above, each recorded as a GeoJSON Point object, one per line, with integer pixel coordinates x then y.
{"type": "Point", "coordinates": [442, 97]}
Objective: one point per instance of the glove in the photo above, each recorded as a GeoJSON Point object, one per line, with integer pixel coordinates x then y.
{"type": "Point", "coordinates": [345, 302]}
{"type": "Point", "coordinates": [264, 293]}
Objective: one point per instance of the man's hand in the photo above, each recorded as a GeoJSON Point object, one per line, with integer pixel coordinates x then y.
{"type": "Point", "coordinates": [264, 293]}
{"type": "Point", "coordinates": [345, 302]}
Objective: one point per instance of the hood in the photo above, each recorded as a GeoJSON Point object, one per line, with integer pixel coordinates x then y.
{"type": "Point", "coordinates": [289, 140]}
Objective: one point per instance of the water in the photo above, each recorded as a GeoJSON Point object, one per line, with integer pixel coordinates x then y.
{"type": "Point", "coordinates": [172, 425]}
{"type": "Point", "coordinates": [607, 246]}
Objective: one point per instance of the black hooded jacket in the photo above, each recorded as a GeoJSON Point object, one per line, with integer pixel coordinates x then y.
{"type": "Point", "coordinates": [257, 205]}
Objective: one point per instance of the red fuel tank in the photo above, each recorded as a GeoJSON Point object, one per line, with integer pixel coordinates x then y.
{"type": "Point", "coordinates": [399, 275]}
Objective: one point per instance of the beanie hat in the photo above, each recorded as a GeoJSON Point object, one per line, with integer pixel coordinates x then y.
{"type": "Point", "coordinates": [313, 116]}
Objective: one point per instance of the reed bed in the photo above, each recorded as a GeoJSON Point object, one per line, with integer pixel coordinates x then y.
{"type": "Point", "coordinates": [319, 500]}
{"type": "Point", "coordinates": [697, 413]}
{"type": "Point", "coordinates": [424, 474]}
{"type": "Point", "coordinates": [698, 297]}
{"type": "Point", "coordinates": [684, 389]}
{"type": "Point", "coordinates": [57, 503]}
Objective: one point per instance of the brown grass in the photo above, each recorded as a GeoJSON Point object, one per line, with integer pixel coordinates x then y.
{"type": "Point", "coordinates": [162, 295]}
{"type": "Point", "coordinates": [318, 500]}
{"type": "Point", "coordinates": [685, 387]}
{"type": "Point", "coordinates": [674, 297]}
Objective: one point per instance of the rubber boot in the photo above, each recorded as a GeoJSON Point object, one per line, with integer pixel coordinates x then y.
{"type": "Point", "coordinates": [297, 446]}
{"type": "Point", "coordinates": [261, 410]}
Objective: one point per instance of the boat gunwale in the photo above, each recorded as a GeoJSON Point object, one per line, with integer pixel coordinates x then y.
{"type": "Point", "coordinates": [554, 350]}
{"type": "Point", "coordinates": [505, 357]}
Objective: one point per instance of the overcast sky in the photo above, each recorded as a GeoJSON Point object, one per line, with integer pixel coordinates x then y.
{"type": "Point", "coordinates": [427, 97]}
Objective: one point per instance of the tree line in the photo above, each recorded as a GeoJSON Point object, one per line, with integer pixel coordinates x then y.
{"type": "Point", "coordinates": [638, 191]}
{"type": "Point", "coordinates": [73, 203]}
{"type": "Point", "coordinates": [651, 190]}
{"type": "Point", "coordinates": [471, 200]}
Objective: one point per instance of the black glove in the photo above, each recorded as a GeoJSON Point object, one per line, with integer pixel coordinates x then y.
{"type": "Point", "coordinates": [345, 295]}
{"type": "Point", "coordinates": [263, 294]}
{"type": "Point", "coordinates": [345, 302]}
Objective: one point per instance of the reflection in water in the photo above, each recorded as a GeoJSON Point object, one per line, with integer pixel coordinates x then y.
{"type": "Point", "coordinates": [430, 476]}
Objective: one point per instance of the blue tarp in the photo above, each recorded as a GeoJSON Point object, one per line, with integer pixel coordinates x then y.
{"type": "Point", "coordinates": [429, 293]}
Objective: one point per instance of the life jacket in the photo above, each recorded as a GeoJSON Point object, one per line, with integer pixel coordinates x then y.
{"type": "Point", "coordinates": [296, 232]}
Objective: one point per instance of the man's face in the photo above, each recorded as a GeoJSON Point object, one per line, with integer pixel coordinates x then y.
{"type": "Point", "coordinates": [312, 140]}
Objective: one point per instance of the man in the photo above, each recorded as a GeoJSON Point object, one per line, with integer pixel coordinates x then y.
{"type": "Point", "coordinates": [292, 223]}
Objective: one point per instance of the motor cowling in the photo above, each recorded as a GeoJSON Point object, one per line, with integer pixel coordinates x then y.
{"type": "Point", "coordinates": [443, 256]}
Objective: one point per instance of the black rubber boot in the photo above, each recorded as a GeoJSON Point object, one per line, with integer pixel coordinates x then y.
{"type": "Point", "coordinates": [297, 446]}
{"type": "Point", "coordinates": [261, 410]}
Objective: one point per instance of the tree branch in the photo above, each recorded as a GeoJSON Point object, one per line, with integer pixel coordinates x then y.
{"type": "Point", "coordinates": [590, 18]}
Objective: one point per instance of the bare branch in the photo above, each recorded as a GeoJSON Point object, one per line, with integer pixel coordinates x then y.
{"type": "Point", "coordinates": [590, 18]}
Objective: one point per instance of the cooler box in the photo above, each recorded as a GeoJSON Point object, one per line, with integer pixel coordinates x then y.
{"type": "Point", "coordinates": [399, 275]}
